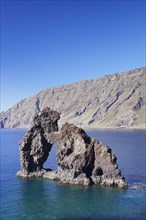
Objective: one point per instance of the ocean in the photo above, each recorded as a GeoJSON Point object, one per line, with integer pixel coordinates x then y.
{"type": "Point", "coordinates": [41, 199]}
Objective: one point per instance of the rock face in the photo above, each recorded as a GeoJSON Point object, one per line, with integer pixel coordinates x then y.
{"type": "Point", "coordinates": [105, 171]}
{"type": "Point", "coordinates": [80, 158]}
{"type": "Point", "coordinates": [75, 155]}
{"type": "Point", "coordinates": [117, 100]}
{"type": "Point", "coordinates": [37, 143]}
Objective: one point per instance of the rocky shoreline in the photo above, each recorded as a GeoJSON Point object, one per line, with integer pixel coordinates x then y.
{"type": "Point", "coordinates": [81, 160]}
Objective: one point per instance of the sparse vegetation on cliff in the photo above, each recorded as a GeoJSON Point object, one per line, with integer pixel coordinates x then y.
{"type": "Point", "coordinates": [115, 101]}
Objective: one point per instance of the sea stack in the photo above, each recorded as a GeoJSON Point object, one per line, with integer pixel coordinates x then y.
{"type": "Point", "coordinates": [37, 143]}
{"type": "Point", "coordinates": [80, 159]}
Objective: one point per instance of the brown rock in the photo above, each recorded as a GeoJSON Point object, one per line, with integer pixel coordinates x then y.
{"type": "Point", "coordinates": [75, 154]}
{"type": "Point", "coordinates": [37, 143]}
{"type": "Point", "coordinates": [81, 159]}
{"type": "Point", "coordinates": [106, 170]}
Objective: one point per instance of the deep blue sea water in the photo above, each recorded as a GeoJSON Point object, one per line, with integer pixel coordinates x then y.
{"type": "Point", "coordinates": [38, 199]}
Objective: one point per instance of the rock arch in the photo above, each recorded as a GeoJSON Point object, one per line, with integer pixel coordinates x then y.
{"type": "Point", "coordinates": [37, 143]}
{"type": "Point", "coordinates": [80, 158]}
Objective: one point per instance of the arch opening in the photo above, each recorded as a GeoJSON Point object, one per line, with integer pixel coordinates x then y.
{"type": "Point", "coordinates": [51, 162]}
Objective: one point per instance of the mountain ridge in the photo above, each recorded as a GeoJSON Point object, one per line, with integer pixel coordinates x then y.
{"type": "Point", "coordinates": [112, 101]}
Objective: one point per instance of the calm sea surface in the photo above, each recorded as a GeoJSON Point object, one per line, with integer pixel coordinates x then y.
{"type": "Point", "coordinates": [38, 199]}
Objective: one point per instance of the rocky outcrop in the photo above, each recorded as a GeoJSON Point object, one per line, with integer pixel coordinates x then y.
{"type": "Point", "coordinates": [105, 171]}
{"type": "Point", "coordinates": [75, 155]}
{"type": "Point", "coordinates": [80, 158]}
{"type": "Point", "coordinates": [117, 100]}
{"type": "Point", "coordinates": [37, 143]}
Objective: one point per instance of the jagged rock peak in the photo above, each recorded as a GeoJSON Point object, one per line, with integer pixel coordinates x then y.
{"type": "Point", "coordinates": [80, 158]}
{"type": "Point", "coordinates": [47, 120]}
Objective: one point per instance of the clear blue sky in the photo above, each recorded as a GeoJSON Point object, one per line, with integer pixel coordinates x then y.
{"type": "Point", "coordinates": [50, 43]}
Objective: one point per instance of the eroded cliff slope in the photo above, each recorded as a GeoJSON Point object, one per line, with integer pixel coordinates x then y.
{"type": "Point", "coordinates": [116, 100]}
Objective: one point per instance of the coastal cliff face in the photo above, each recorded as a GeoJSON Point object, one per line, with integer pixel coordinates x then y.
{"type": "Point", "coordinates": [80, 159]}
{"type": "Point", "coordinates": [117, 100]}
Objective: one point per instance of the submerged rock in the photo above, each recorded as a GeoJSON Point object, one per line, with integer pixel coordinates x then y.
{"type": "Point", "coordinates": [80, 158]}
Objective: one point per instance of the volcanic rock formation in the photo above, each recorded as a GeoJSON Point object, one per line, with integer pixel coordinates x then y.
{"type": "Point", "coordinates": [80, 158]}
{"type": "Point", "coordinates": [37, 143]}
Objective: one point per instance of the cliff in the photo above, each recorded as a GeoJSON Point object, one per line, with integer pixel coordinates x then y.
{"type": "Point", "coordinates": [117, 100]}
